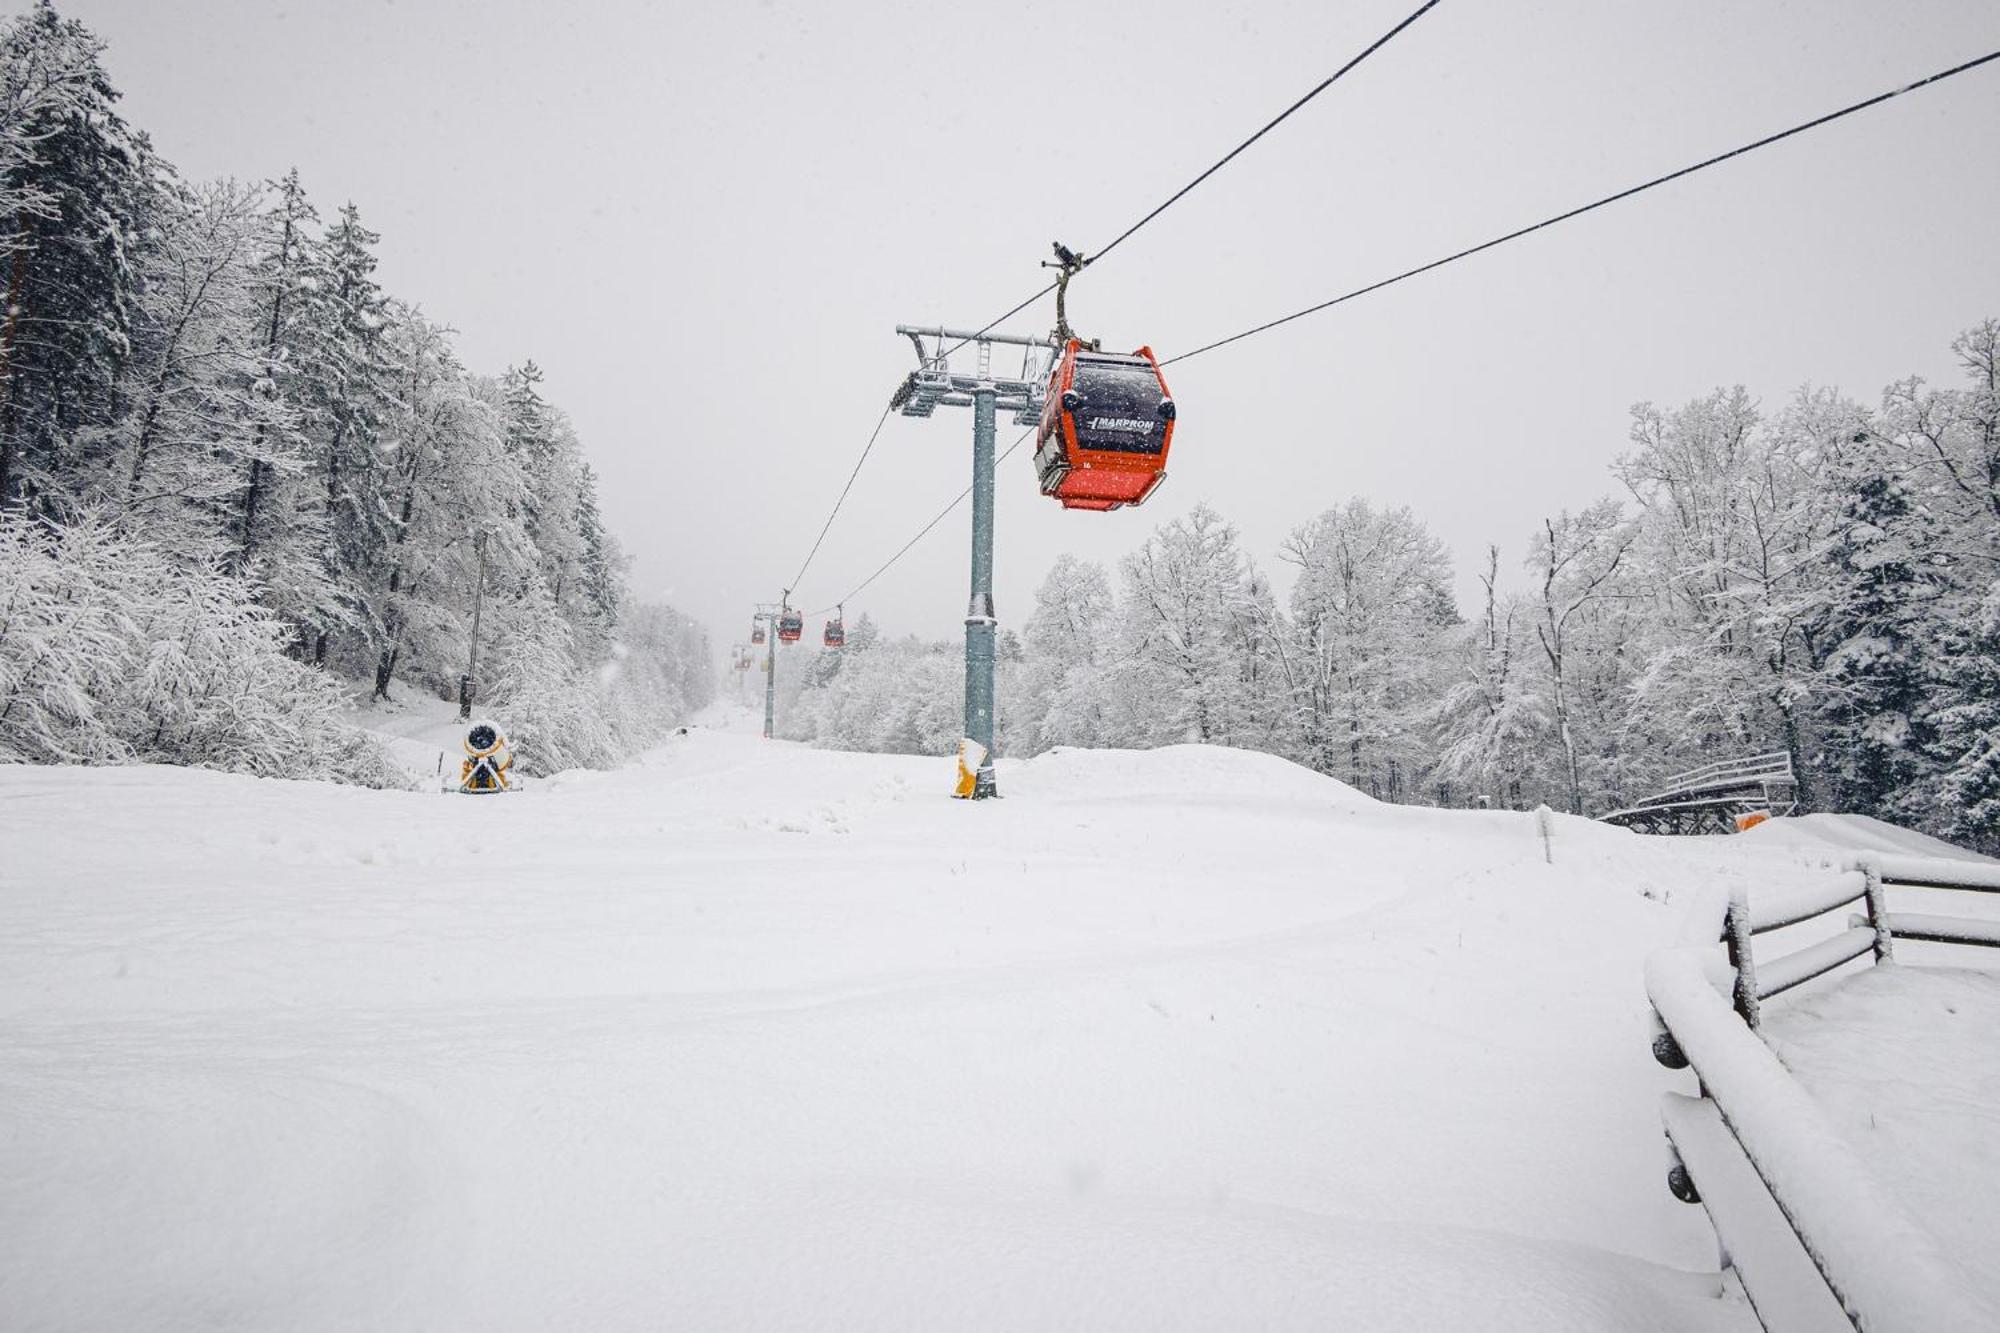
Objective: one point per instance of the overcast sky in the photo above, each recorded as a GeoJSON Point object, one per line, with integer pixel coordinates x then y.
{"type": "Point", "coordinates": [705, 220]}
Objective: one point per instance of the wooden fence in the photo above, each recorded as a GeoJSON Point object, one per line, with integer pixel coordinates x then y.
{"type": "Point", "coordinates": [1815, 1240]}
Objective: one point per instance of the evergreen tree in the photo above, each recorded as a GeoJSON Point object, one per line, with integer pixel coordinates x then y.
{"type": "Point", "coordinates": [862, 635]}
{"type": "Point", "coordinates": [274, 524]}
{"type": "Point", "coordinates": [348, 388]}
{"type": "Point", "coordinates": [1969, 729]}
{"type": "Point", "coordinates": [81, 179]}
{"type": "Point", "coordinates": [601, 579]}
{"type": "Point", "coordinates": [445, 472]}
{"type": "Point", "coordinates": [1874, 684]}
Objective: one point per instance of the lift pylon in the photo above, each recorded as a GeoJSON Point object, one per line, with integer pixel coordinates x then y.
{"type": "Point", "coordinates": [767, 616]}
{"type": "Point", "coordinates": [933, 384]}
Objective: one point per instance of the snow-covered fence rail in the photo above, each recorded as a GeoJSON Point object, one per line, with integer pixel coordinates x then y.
{"type": "Point", "coordinates": [1873, 930]}
{"type": "Point", "coordinates": [1916, 872]}
{"type": "Point", "coordinates": [1816, 1241]}
{"type": "Point", "coordinates": [1788, 1195]}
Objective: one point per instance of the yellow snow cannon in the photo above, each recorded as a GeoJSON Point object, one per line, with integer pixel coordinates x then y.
{"type": "Point", "coordinates": [487, 760]}
{"type": "Point", "coordinates": [971, 755]}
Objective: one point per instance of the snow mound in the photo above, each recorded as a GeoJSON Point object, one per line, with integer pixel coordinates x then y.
{"type": "Point", "coordinates": [1176, 771]}
{"type": "Point", "coordinates": [1854, 833]}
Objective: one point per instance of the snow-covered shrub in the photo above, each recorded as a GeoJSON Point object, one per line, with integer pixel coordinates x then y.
{"type": "Point", "coordinates": [111, 652]}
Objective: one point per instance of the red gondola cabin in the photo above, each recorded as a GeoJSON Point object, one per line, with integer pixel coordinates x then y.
{"type": "Point", "coordinates": [1105, 429]}
{"type": "Point", "coordinates": [836, 634]}
{"type": "Point", "coordinates": [791, 627]}
{"type": "Point", "coordinates": [757, 634]}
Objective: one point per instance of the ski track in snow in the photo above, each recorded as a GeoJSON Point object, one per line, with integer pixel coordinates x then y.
{"type": "Point", "coordinates": [748, 1035]}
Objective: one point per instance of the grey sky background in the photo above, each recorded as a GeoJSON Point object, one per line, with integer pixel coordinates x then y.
{"type": "Point", "coordinates": [705, 220]}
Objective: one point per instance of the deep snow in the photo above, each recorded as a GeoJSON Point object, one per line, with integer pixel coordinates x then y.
{"type": "Point", "coordinates": [750, 1035]}
{"type": "Point", "coordinates": [1903, 1061]}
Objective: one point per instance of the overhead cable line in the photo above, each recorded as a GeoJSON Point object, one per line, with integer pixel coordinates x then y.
{"type": "Point", "coordinates": [1765, 142]}
{"type": "Point", "coordinates": [1515, 235]}
{"type": "Point", "coordinates": [835, 512]}
{"type": "Point", "coordinates": [1270, 125]}
{"type": "Point", "coordinates": [1216, 166]}
{"type": "Point", "coordinates": [924, 531]}
{"type": "Point", "coordinates": [1120, 239]}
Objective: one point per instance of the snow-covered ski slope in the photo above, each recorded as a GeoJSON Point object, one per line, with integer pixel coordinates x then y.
{"type": "Point", "coordinates": [421, 733]}
{"type": "Point", "coordinates": [750, 1035]}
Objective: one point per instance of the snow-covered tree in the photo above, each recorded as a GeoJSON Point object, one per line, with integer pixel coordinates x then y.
{"type": "Point", "coordinates": [1070, 640]}
{"type": "Point", "coordinates": [1575, 561]}
{"type": "Point", "coordinates": [349, 387]}
{"type": "Point", "coordinates": [549, 704]}
{"type": "Point", "coordinates": [114, 652]}
{"type": "Point", "coordinates": [1735, 524]}
{"type": "Point", "coordinates": [1874, 686]}
{"type": "Point", "coordinates": [80, 178]}
{"type": "Point", "coordinates": [1968, 729]}
{"type": "Point", "coordinates": [197, 401]}
{"type": "Point", "coordinates": [1188, 619]}
{"type": "Point", "coordinates": [279, 527]}
{"type": "Point", "coordinates": [1493, 719]}
{"type": "Point", "coordinates": [205, 377]}
{"type": "Point", "coordinates": [1371, 612]}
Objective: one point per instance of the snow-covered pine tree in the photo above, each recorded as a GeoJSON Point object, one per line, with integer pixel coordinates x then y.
{"type": "Point", "coordinates": [38, 77]}
{"type": "Point", "coordinates": [447, 475]}
{"type": "Point", "coordinates": [558, 508]}
{"type": "Point", "coordinates": [555, 485]}
{"type": "Point", "coordinates": [1968, 729]}
{"type": "Point", "coordinates": [528, 432]}
{"type": "Point", "coordinates": [278, 529]}
{"type": "Point", "coordinates": [1874, 687]}
{"type": "Point", "coordinates": [80, 178]}
{"type": "Point", "coordinates": [600, 581]}
{"type": "Point", "coordinates": [349, 388]}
